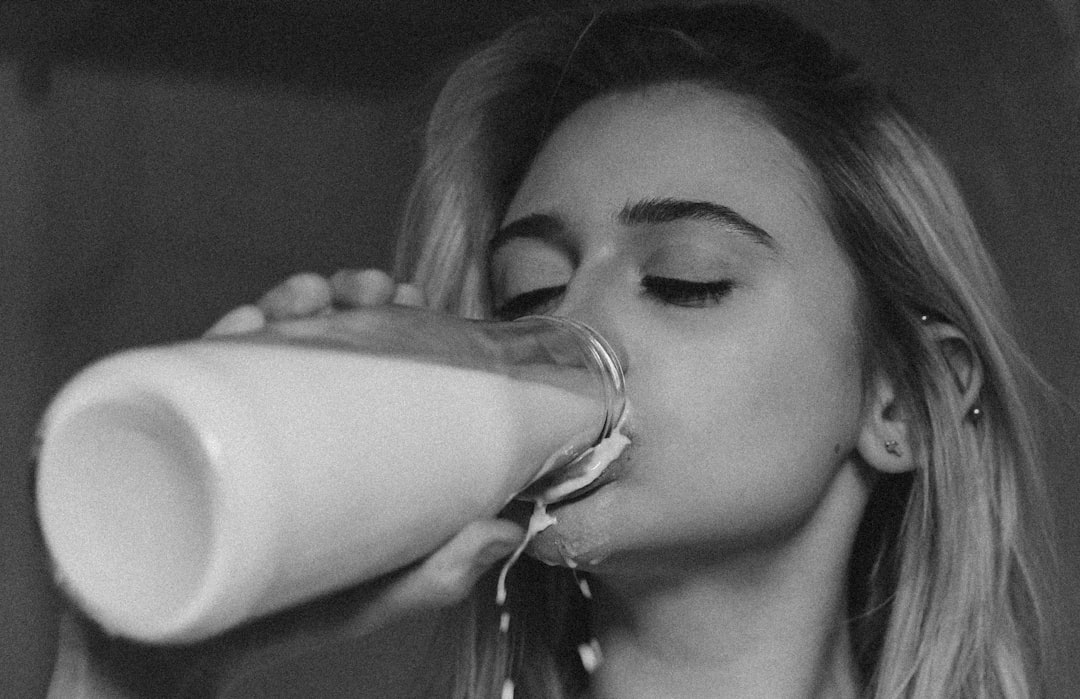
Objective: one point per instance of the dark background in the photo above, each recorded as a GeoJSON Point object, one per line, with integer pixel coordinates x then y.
{"type": "Point", "coordinates": [161, 163]}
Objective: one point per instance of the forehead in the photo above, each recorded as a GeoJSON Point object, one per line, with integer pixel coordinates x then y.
{"type": "Point", "coordinates": [673, 140]}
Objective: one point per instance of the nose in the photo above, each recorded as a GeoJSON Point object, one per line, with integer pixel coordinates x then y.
{"type": "Point", "coordinates": [592, 299]}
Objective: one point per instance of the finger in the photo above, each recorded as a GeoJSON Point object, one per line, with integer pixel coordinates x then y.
{"type": "Point", "coordinates": [300, 295]}
{"type": "Point", "coordinates": [444, 578]}
{"type": "Point", "coordinates": [244, 319]}
{"type": "Point", "coordinates": [364, 287]}
{"type": "Point", "coordinates": [409, 295]}
{"type": "Point", "coordinates": [447, 576]}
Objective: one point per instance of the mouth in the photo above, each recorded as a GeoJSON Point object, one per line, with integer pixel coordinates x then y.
{"type": "Point", "coordinates": [582, 476]}
{"type": "Point", "coordinates": [593, 470]}
{"type": "Point", "coordinates": [607, 475]}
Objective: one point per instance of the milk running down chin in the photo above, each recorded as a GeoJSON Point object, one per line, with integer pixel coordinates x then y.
{"type": "Point", "coordinates": [183, 490]}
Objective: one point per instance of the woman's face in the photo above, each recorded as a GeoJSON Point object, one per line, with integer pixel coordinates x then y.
{"type": "Point", "coordinates": [687, 231]}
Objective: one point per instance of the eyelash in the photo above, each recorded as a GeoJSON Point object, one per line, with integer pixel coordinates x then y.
{"type": "Point", "coordinates": [529, 302]}
{"type": "Point", "coordinates": [668, 290]}
{"type": "Point", "coordinates": [686, 293]}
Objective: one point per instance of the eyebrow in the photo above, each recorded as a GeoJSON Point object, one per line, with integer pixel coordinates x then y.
{"type": "Point", "coordinates": [666, 210]}
{"type": "Point", "coordinates": [540, 226]}
{"type": "Point", "coordinates": [645, 212]}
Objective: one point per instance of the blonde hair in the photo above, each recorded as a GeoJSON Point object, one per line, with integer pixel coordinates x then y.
{"type": "Point", "coordinates": [944, 581]}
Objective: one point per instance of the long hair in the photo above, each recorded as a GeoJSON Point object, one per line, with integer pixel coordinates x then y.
{"type": "Point", "coordinates": [944, 596]}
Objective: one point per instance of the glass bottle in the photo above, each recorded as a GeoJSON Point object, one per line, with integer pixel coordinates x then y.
{"type": "Point", "coordinates": [187, 488]}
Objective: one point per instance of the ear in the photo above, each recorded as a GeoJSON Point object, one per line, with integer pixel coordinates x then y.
{"type": "Point", "coordinates": [963, 364]}
{"type": "Point", "coordinates": [884, 441]}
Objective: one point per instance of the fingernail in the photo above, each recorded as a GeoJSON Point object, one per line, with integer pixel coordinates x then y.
{"type": "Point", "coordinates": [240, 320]}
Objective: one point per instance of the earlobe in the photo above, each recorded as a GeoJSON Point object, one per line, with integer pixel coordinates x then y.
{"type": "Point", "coordinates": [884, 439]}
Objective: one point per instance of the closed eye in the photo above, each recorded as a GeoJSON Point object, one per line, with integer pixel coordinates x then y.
{"type": "Point", "coordinates": [535, 301]}
{"type": "Point", "coordinates": [686, 293]}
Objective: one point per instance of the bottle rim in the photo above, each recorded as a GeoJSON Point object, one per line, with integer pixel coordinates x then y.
{"type": "Point", "coordinates": [606, 359]}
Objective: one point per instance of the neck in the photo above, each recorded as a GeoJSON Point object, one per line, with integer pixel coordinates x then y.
{"type": "Point", "coordinates": [767, 622]}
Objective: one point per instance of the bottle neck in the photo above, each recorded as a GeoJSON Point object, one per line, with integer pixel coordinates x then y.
{"type": "Point", "coordinates": [604, 364]}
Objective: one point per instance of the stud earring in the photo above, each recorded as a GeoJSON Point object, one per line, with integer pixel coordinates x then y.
{"type": "Point", "coordinates": [892, 446]}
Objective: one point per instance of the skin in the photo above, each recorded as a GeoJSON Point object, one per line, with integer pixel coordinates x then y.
{"type": "Point", "coordinates": [719, 548]}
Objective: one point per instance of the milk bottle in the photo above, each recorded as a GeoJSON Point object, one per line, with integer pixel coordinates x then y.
{"type": "Point", "coordinates": [185, 489]}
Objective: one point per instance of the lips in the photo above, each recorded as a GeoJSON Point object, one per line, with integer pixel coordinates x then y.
{"type": "Point", "coordinates": [607, 475]}
{"type": "Point", "coordinates": [603, 467]}
{"type": "Point", "coordinates": [585, 474]}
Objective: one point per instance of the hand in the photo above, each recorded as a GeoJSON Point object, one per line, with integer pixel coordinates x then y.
{"type": "Point", "coordinates": [442, 579]}
{"type": "Point", "coordinates": [306, 295]}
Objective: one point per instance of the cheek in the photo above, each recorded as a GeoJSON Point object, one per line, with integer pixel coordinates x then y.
{"type": "Point", "coordinates": [750, 437]}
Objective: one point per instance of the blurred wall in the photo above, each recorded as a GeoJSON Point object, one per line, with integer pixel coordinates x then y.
{"type": "Point", "coordinates": [25, 608]}
{"type": "Point", "coordinates": [137, 209]}
{"type": "Point", "coordinates": [139, 202]}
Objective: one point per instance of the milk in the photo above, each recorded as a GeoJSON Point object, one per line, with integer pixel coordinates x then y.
{"type": "Point", "coordinates": [183, 490]}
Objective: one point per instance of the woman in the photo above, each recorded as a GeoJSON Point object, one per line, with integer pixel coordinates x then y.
{"type": "Point", "coordinates": [939, 582]}
{"type": "Point", "coordinates": [828, 489]}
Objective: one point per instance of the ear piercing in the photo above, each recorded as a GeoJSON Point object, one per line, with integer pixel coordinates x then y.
{"type": "Point", "coordinates": [892, 446]}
